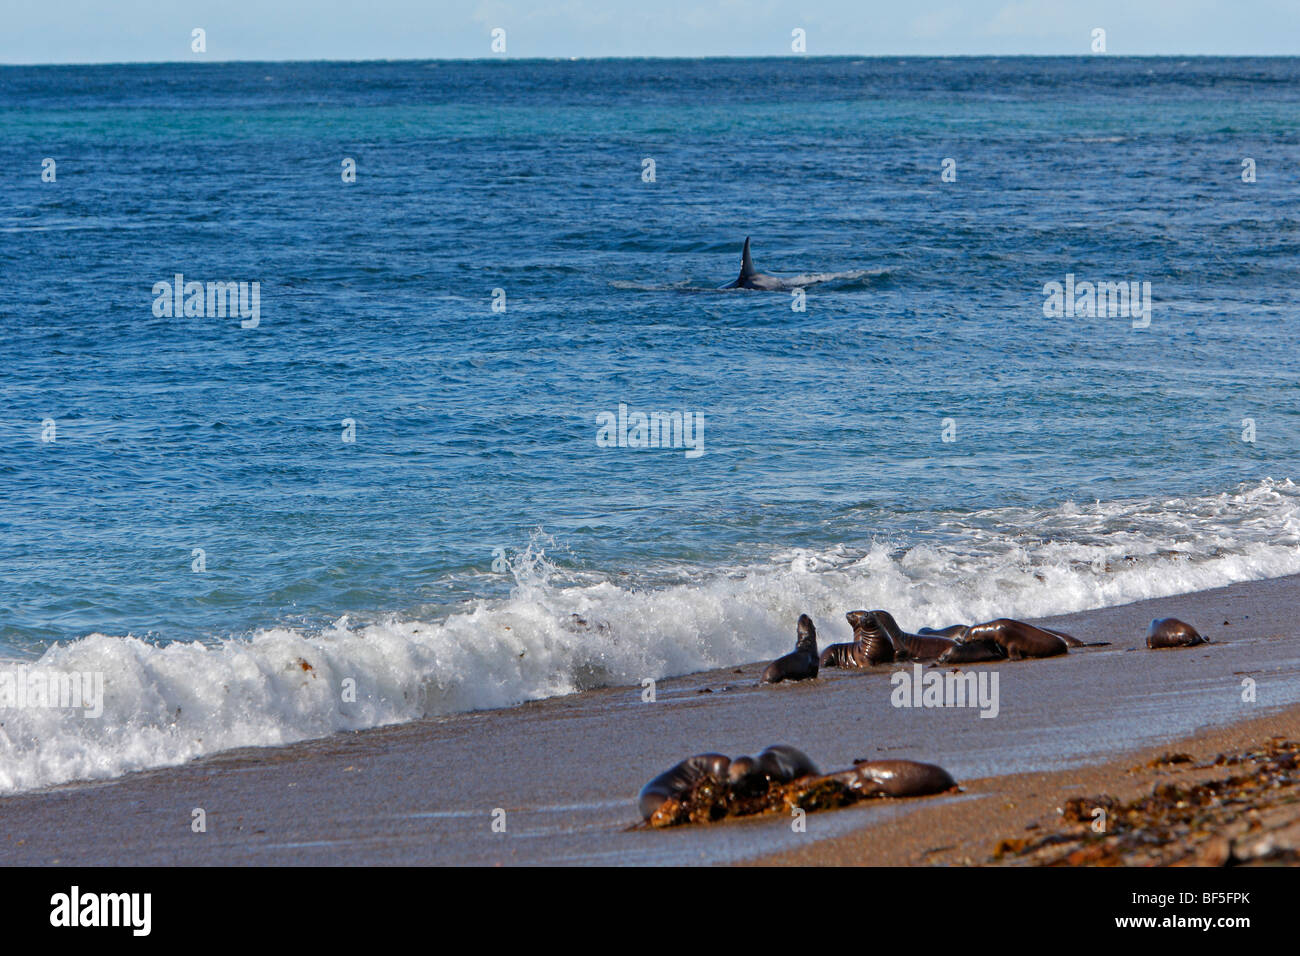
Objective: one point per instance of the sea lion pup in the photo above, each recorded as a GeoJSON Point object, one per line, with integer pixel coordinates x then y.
{"type": "Point", "coordinates": [801, 663]}
{"type": "Point", "coordinates": [915, 647]}
{"type": "Point", "coordinates": [680, 779]}
{"type": "Point", "coordinates": [896, 778]}
{"type": "Point", "coordinates": [1171, 632]}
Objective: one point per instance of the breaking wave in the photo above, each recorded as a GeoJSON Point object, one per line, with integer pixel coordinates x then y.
{"type": "Point", "coordinates": [555, 634]}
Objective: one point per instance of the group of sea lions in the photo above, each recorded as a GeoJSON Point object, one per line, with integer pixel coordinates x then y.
{"type": "Point", "coordinates": [710, 786]}
{"type": "Point", "coordinates": [877, 639]}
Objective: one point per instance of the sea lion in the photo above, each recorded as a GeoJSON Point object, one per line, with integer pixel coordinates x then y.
{"type": "Point", "coordinates": [1005, 639]}
{"type": "Point", "coordinates": [896, 778]}
{"type": "Point", "coordinates": [708, 787]}
{"type": "Point", "coordinates": [682, 778]}
{"type": "Point", "coordinates": [973, 652]}
{"type": "Point", "coordinates": [869, 645]}
{"type": "Point", "coordinates": [743, 770]}
{"type": "Point", "coordinates": [959, 632]}
{"type": "Point", "coordinates": [801, 663]}
{"type": "Point", "coordinates": [743, 776]}
{"type": "Point", "coordinates": [914, 647]}
{"type": "Point", "coordinates": [955, 631]}
{"type": "Point", "coordinates": [777, 764]}
{"type": "Point", "coordinates": [842, 655]}
{"type": "Point", "coordinates": [783, 763]}
{"type": "Point", "coordinates": [1019, 639]}
{"type": "Point", "coordinates": [1171, 632]}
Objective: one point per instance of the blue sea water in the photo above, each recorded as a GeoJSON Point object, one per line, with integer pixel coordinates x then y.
{"type": "Point", "coordinates": [1093, 462]}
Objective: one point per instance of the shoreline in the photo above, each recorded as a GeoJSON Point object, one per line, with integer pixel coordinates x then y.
{"type": "Point", "coordinates": [1009, 810]}
{"type": "Point", "coordinates": [565, 770]}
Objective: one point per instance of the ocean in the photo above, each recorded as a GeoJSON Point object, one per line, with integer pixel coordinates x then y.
{"type": "Point", "coordinates": [384, 493]}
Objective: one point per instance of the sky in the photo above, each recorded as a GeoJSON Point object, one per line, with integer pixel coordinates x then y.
{"type": "Point", "coordinates": [111, 31]}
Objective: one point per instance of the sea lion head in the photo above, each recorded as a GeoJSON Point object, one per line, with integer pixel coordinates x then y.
{"type": "Point", "coordinates": [872, 639]}
{"type": "Point", "coordinates": [783, 763]}
{"type": "Point", "coordinates": [806, 632]}
{"type": "Point", "coordinates": [740, 768]}
{"type": "Point", "coordinates": [859, 619]}
{"type": "Point", "coordinates": [871, 623]}
{"type": "Point", "coordinates": [885, 621]}
{"type": "Point", "coordinates": [745, 776]}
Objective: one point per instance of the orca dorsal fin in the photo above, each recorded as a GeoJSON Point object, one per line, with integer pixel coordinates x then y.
{"type": "Point", "coordinates": [746, 263]}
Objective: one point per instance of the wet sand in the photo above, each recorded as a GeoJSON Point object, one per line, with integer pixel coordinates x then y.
{"type": "Point", "coordinates": [566, 771]}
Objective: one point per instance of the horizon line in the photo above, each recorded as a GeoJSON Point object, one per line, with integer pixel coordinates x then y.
{"type": "Point", "coordinates": [202, 60]}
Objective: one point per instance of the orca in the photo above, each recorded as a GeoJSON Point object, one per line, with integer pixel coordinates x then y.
{"type": "Point", "coordinates": [751, 278]}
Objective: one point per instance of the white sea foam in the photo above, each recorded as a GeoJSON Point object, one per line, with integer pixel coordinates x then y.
{"type": "Point", "coordinates": [166, 705]}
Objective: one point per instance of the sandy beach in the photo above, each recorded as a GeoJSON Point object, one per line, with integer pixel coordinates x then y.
{"type": "Point", "coordinates": [1015, 811]}
{"type": "Point", "coordinates": [566, 770]}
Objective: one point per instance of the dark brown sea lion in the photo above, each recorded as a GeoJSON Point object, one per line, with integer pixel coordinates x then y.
{"type": "Point", "coordinates": [1019, 639]}
{"type": "Point", "coordinates": [843, 655]}
{"type": "Point", "coordinates": [973, 652]}
{"type": "Point", "coordinates": [912, 647]}
{"type": "Point", "coordinates": [1171, 632]}
{"type": "Point", "coordinates": [897, 778]}
{"type": "Point", "coordinates": [708, 787]}
{"type": "Point", "coordinates": [954, 631]}
{"type": "Point", "coordinates": [867, 647]}
{"type": "Point", "coordinates": [682, 778]}
{"type": "Point", "coordinates": [1005, 638]}
{"type": "Point", "coordinates": [877, 639]}
{"type": "Point", "coordinates": [959, 632]}
{"type": "Point", "coordinates": [801, 663]}
{"type": "Point", "coordinates": [743, 774]}
{"type": "Point", "coordinates": [783, 763]}
{"type": "Point", "coordinates": [778, 764]}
